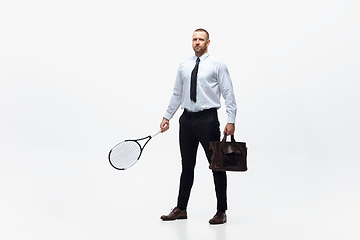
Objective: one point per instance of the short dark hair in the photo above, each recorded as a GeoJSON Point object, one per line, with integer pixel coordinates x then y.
{"type": "Point", "coordinates": [203, 30]}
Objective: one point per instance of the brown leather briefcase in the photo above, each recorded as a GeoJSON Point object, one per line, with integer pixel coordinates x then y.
{"type": "Point", "coordinates": [228, 156]}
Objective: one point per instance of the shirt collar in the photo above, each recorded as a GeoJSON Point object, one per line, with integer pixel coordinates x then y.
{"type": "Point", "coordinates": [203, 57]}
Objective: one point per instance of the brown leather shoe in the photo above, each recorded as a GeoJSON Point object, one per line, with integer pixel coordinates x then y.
{"type": "Point", "coordinates": [176, 213]}
{"type": "Point", "coordinates": [219, 218]}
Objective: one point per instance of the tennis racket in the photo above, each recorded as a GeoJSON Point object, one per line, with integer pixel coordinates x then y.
{"type": "Point", "coordinates": [125, 154]}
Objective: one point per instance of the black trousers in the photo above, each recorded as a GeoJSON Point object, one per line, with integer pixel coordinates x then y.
{"type": "Point", "coordinates": [200, 127]}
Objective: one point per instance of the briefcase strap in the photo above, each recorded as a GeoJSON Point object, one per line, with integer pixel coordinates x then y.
{"type": "Point", "coordinates": [225, 136]}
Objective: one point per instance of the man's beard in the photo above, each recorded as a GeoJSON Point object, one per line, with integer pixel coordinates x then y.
{"type": "Point", "coordinates": [200, 51]}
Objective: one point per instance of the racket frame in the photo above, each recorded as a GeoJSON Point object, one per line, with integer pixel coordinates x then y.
{"type": "Point", "coordinates": [141, 148]}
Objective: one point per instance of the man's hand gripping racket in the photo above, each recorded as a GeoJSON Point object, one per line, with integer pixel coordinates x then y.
{"type": "Point", "coordinates": [127, 153]}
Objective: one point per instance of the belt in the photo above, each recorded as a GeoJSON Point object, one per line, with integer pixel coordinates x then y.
{"type": "Point", "coordinates": [198, 114]}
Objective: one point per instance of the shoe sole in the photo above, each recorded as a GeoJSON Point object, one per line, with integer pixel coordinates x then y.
{"type": "Point", "coordinates": [212, 223]}
{"type": "Point", "coordinates": [173, 219]}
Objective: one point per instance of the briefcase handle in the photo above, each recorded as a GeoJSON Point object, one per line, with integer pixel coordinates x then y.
{"type": "Point", "coordinates": [225, 136]}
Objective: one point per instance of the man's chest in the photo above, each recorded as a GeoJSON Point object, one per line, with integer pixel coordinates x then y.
{"type": "Point", "coordinates": [207, 73]}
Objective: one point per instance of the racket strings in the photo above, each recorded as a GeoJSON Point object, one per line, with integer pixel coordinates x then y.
{"type": "Point", "coordinates": [125, 154]}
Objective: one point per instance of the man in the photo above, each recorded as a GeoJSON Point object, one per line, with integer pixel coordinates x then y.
{"type": "Point", "coordinates": [199, 83]}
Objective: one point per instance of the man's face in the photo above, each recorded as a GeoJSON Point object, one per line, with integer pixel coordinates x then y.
{"type": "Point", "coordinates": [200, 43]}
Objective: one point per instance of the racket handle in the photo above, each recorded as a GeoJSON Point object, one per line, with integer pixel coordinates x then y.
{"type": "Point", "coordinates": [156, 133]}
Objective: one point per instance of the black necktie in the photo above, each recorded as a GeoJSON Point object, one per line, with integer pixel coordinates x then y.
{"type": "Point", "coordinates": [193, 81]}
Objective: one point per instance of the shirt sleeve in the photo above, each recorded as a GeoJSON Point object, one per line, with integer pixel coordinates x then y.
{"type": "Point", "coordinates": [227, 91]}
{"type": "Point", "coordinates": [176, 97]}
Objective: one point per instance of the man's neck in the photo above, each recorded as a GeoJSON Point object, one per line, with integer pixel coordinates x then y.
{"type": "Point", "coordinates": [200, 54]}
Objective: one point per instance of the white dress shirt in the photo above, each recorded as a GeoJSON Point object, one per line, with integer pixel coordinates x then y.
{"type": "Point", "coordinates": [213, 80]}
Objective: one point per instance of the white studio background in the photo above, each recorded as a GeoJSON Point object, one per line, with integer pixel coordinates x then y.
{"type": "Point", "coordinates": [77, 77]}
